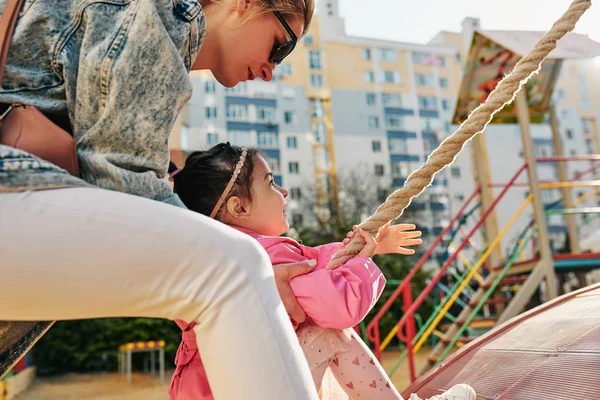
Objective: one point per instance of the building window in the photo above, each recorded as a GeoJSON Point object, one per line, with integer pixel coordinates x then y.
{"type": "Point", "coordinates": [297, 219]}
{"type": "Point", "coordinates": [369, 76]}
{"type": "Point", "coordinates": [585, 103]}
{"type": "Point", "coordinates": [370, 99]}
{"type": "Point", "coordinates": [308, 40]}
{"type": "Point", "coordinates": [427, 59]}
{"type": "Point", "coordinates": [444, 83]}
{"type": "Point", "coordinates": [184, 137]}
{"type": "Point", "coordinates": [211, 112]}
{"type": "Point", "coordinates": [294, 168]}
{"type": "Point", "coordinates": [322, 158]}
{"type": "Point", "coordinates": [390, 77]}
{"type": "Point", "coordinates": [283, 70]}
{"type": "Point", "coordinates": [382, 194]}
{"type": "Point", "coordinates": [429, 144]}
{"type": "Point", "coordinates": [388, 55]}
{"type": "Point", "coordinates": [379, 171]}
{"type": "Point", "coordinates": [445, 105]}
{"type": "Point", "coordinates": [240, 138]}
{"type": "Point", "coordinates": [267, 140]}
{"type": "Point", "coordinates": [455, 172]}
{"type": "Point", "coordinates": [418, 58]}
{"type": "Point", "coordinates": [460, 198]}
{"type": "Point", "coordinates": [237, 112]}
{"type": "Point", "coordinates": [376, 146]}
{"type": "Point", "coordinates": [398, 145]}
{"type": "Point", "coordinates": [295, 193]}
{"type": "Point", "coordinates": [373, 122]}
{"type": "Point", "coordinates": [569, 134]}
{"type": "Point", "coordinates": [289, 117]}
{"type": "Point", "coordinates": [427, 102]}
{"type": "Point", "coordinates": [239, 88]}
{"type": "Point", "coordinates": [425, 80]}
{"type": "Point", "coordinates": [320, 132]}
{"type": "Point", "coordinates": [265, 114]}
{"type": "Point", "coordinates": [430, 124]}
{"type": "Point", "coordinates": [400, 169]}
{"type": "Point", "coordinates": [316, 106]}
{"type": "Point", "coordinates": [316, 80]}
{"type": "Point", "coordinates": [210, 87]}
{"type": "Point", "coordinates": [391, 99]}
{"type": "Point", "coordinates": [366, 54]}
{"type": "Point", "coordinates": [573, 152]}
{"type": "Point", "coordinates": [314, 59]}
{"type": "Point", "coordinates": [393, 121]}
{"type": "Point", "coordinates": [212, 139]}
{"type": "Point", "coordinates": [292, 142]}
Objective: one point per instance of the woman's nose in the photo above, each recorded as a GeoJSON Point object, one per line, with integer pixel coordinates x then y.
{"type": "Point", "coordinates": [266, 72]}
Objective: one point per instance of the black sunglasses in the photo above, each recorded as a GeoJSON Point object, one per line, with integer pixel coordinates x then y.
{"type": "Point", "coordinates": [280, 52]}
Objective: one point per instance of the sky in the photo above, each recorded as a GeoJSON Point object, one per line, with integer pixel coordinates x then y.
{"type": "Point", "coordinates": [418, 21]}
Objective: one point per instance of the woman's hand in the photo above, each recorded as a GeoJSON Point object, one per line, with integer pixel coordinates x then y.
{"type": "Point", "coordinates": [392, 239]}
{"type": "Point", "coordinates": [283, 275]}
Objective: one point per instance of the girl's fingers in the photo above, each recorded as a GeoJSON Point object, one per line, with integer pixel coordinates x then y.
{"type": "Point", "coordinates": [410, 235]}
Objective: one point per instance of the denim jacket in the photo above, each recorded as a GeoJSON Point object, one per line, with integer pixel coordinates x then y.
{"type": "Point", "coordinates": [119, 70]}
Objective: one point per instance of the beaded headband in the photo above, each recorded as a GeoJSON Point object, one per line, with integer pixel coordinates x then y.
{"type": "Point", "coordinates": [172, 174]}
{"type": "Point", "coordinates": [236, 172]}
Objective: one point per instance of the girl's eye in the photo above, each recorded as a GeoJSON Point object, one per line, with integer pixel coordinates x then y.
{"type": "Point", "coordinates": [272, 182]}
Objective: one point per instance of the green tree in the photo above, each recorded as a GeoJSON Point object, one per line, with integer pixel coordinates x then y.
{"type": "Point", "coordinates": [92, 345]}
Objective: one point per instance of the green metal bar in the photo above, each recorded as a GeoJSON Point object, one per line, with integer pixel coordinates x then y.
{"type": "Point", "coordinates": [436, 302]}
{"type": "Point", "coordinates": [419, 320]}
{"type": "Point", "coordinates": [363, 332]}
{"type": "Point", "coordinates": [394, 282]}
{"type": "Point", "coordinates": [565, 211]}
{"type": "Point", "coordinates": [458, 278]}
{"type": "Point", "coordinates": [398, 362]}
{"type": "Point", "coordinates": [588, 219]}
{"type": "Point", "coordinates": [487, 295]}
{"type": "Point", "coordinates": [449, 292]}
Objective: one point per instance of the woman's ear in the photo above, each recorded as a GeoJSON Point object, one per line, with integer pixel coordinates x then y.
{"type": "Point", "coordinates": [242, 6]}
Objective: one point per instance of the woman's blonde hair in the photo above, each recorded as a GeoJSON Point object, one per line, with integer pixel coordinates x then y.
{"type": "Point", "coordinates": [289, 9]}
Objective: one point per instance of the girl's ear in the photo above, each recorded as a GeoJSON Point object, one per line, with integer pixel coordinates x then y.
{"type": "Point", "coordinates": [238, 208]}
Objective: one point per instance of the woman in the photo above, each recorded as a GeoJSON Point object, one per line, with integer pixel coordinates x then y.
{"type": "Point", "coordinates": [115, 74]}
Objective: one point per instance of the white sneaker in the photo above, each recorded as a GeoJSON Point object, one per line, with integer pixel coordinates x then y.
{"type": "Point", "coordinates": [460, 392]}
{"type": "Point", "coordinates": [456, 392]}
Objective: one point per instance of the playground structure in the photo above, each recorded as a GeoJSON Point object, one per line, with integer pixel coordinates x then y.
{"type": "Point", "coordinates": [551, 352]}
{"type": "Point", "coordinates": [126, 354]}
{"type": "Point", "coordinates": [18, 379]}
{"type": "Point", "coordinates": [473, 296]}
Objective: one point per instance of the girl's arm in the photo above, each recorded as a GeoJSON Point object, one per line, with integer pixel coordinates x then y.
{"type": "Point", "coordinates": [339, 298]}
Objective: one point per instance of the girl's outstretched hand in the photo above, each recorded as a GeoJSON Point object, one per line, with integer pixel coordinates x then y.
{"type": "Point", "coordinates": [392, 239]}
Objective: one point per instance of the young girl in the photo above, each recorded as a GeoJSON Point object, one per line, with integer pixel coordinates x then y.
{"type": "Point", "coordinates": [235, 186]}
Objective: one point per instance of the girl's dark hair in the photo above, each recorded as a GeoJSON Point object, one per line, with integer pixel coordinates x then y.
{"type": "Point", "coordinates": [206, 174]}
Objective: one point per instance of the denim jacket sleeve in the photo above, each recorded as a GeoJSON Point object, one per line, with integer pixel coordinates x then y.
{"type": "Point", "coordinates": [119, 68]}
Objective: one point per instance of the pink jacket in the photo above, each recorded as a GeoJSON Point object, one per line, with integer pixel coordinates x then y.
{"type": "Point", "coordinates": [333, 299]}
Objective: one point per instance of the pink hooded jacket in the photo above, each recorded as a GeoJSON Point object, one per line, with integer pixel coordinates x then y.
{"type": "Point", "coordinates": [337, 299]}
